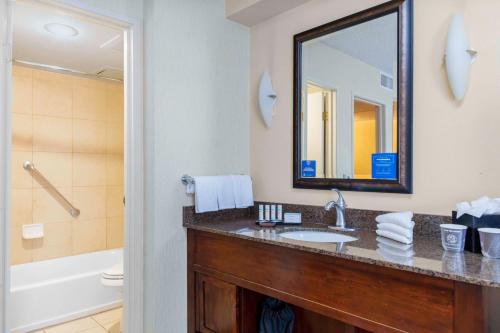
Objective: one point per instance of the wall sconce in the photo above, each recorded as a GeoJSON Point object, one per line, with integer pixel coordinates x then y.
{"type": "Point", "coordinates": [459, 57]}
{"type": "Point", "coordinates": [267, 98]}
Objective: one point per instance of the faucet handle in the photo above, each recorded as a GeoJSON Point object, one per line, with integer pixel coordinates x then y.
{"type": "Point", "coordinates": [340, 200]}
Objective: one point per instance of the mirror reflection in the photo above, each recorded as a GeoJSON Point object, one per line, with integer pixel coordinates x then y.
{"type": "Point", "coordinates": [349, 102]}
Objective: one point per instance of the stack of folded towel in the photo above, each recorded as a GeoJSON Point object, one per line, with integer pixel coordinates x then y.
{"type": "Point", "coordinates": [395, 251]}
{"type": "Point", "coordinates": [396, 226]}
{"type": "Point", "coordinates": [214, 193]}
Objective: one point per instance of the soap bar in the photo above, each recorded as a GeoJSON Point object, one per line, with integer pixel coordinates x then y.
{"type": "Point", "coordinates": [293, 218]}
{"type": "Point", "coordinates": [33, 231]}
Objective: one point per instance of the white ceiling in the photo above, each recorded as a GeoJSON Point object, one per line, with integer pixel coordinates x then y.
{"type": "Point", "coordinates": [84, 52]}
{"type": "Point", "coordinates": [374, 42]}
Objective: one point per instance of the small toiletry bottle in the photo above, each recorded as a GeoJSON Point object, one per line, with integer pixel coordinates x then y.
{"type": "Point", "coordinates": [267, 217]}
{"type": "Point", "coordinates": [280, 213]}
{"type": "Point", "coordinates": [273, 212]}
{"type": "Point", "coordinates": [261, 212]}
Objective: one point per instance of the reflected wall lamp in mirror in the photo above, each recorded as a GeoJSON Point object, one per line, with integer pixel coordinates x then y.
{"type": "Point", "coordinates": [267, 98]}
{"type": "Point", "coordinates": [352, 107]}
{"type": "Point", "coordinates": [459, 57]}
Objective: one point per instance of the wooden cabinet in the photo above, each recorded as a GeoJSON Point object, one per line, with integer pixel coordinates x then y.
{"type": "Point", "coordinates": [229, 277]}
{"type": "Point", "coordinates": [216, 305]}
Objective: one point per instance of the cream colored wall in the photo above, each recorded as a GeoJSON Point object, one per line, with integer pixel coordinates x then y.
{"type": "Point", "coordinates": [72, 129]}
{"type": "Point", "coordinates": [455, 145]}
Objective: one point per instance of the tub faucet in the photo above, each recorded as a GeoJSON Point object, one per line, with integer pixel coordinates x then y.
{"type": "Point", "coordinates": [340, 206]}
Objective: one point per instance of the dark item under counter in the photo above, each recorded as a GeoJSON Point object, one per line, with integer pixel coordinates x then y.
{"type": "Point", "coordinates": [472, 241]}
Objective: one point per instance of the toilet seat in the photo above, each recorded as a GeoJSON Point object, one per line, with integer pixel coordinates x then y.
{"type": "Point", "coordinates": [113, 277]}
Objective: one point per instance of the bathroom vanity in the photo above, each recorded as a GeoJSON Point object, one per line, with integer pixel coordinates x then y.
{"type": "Point", "coordinates": [342, 287]}
{"type": "Point", "coordinates": [352, 130]}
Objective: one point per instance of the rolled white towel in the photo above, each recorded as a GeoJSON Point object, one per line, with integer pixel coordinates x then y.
{"type": "Point", "coordinates": [394, 236]}
{"type": "Point", "coordinates": [402, 219]}
{"type": "Point", "coordinates": [408, 233]}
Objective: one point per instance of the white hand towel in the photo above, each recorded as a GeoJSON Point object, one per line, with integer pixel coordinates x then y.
{"type": "Point", "coordinates": [396, 245]}
{"type": "Point", "coordinates": [242, 189]}
{"type": "Point", "coordinates": [408, 233]}
{"type": "Point", "coordinates": [393, 236]}
{"type": "Point", "coordinates": [190, 188]}
{"type": "Point", "coordinates": [225, 193]}
{"type": "Point", "coordinates": [206, 194]}
{"type": "Point", "coordinates": [402, 219]}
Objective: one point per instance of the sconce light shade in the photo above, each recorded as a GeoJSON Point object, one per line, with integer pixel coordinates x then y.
{"type": "Point", "coordinates": [267, 98]}
{"type": "Point", "coordinates": [459, 57]}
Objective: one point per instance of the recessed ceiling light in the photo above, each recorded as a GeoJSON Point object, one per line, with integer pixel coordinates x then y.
{"type": "Point", "coordinates": [62, 30]}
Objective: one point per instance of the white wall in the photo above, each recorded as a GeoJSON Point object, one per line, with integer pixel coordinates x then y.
{"type": "Point", "coordinates": [197, 74]}
{"type": "Point", "coordinates": [349, 77]}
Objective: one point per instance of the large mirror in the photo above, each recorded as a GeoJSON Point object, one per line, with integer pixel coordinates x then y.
{"type": "Point", "coordinates": [352, 102]}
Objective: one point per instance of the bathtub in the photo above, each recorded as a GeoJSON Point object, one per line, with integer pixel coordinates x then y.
{"type": "Point", "coordinates": [49, 292]}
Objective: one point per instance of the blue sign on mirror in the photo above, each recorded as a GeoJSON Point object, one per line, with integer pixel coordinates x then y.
{"type": "Point", "coordinates": [308, 168]}
{"type": "Point", "coordinates": [384, 166]}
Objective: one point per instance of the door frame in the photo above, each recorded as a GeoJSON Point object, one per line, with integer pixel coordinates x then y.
{"type": "Point", "coordinates": [133, 316]}
{"type": "Point", "coordinates": [332, 112]}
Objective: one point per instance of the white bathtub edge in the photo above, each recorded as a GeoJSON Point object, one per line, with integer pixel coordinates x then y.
{"type": "Point", "coordinates": [72, 316]}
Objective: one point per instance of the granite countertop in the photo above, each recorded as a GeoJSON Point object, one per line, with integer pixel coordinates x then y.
{"type": "Point", "coordinates": [425, 256]}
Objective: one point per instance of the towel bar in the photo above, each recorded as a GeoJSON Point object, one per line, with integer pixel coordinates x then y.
{"type": "Point", "coordinates": [186, 180]}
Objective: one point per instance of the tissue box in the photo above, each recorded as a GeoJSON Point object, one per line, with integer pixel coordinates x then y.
{"type": "Point", "coordinates": [472, 242]}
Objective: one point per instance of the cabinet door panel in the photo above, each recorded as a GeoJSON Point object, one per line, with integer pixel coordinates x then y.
{"type": "Point", "coordinates": [217, 306]}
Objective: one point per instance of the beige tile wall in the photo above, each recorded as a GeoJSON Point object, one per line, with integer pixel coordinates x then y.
{"type": "Point", "coordinates": [72, 129]}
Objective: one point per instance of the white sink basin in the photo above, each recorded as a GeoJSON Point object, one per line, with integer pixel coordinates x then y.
{"type": "Point", "coordinates": [317, 236]}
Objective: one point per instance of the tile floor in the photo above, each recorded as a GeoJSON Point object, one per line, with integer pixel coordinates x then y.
{"type": "Point", "coordinates": [98, 323]}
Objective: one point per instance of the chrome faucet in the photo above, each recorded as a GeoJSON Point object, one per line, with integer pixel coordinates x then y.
{"type": "Point", "coordinates": [340, 206]}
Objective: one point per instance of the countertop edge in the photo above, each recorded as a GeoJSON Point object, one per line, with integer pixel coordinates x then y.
{"type": "Point", "coordinates": [380, 263]}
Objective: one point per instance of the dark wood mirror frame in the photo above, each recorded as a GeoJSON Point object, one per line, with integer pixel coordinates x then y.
{"type": "Point", "coordinates": [403, 184]}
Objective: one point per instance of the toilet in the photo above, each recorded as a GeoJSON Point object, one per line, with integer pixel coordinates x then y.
{"type": "Point", "coordinates": [113, 277]}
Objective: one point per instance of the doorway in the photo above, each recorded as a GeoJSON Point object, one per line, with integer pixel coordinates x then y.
{"type": "Point", "coordinates": [61, 93]}
{"type": "Point", "coordinates": [320, 145]}
{"type": "Point", "coordinates": [367, 134]}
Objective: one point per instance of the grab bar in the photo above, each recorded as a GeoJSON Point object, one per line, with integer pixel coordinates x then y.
{"type": "Point", "coordinates": [30, 167]}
